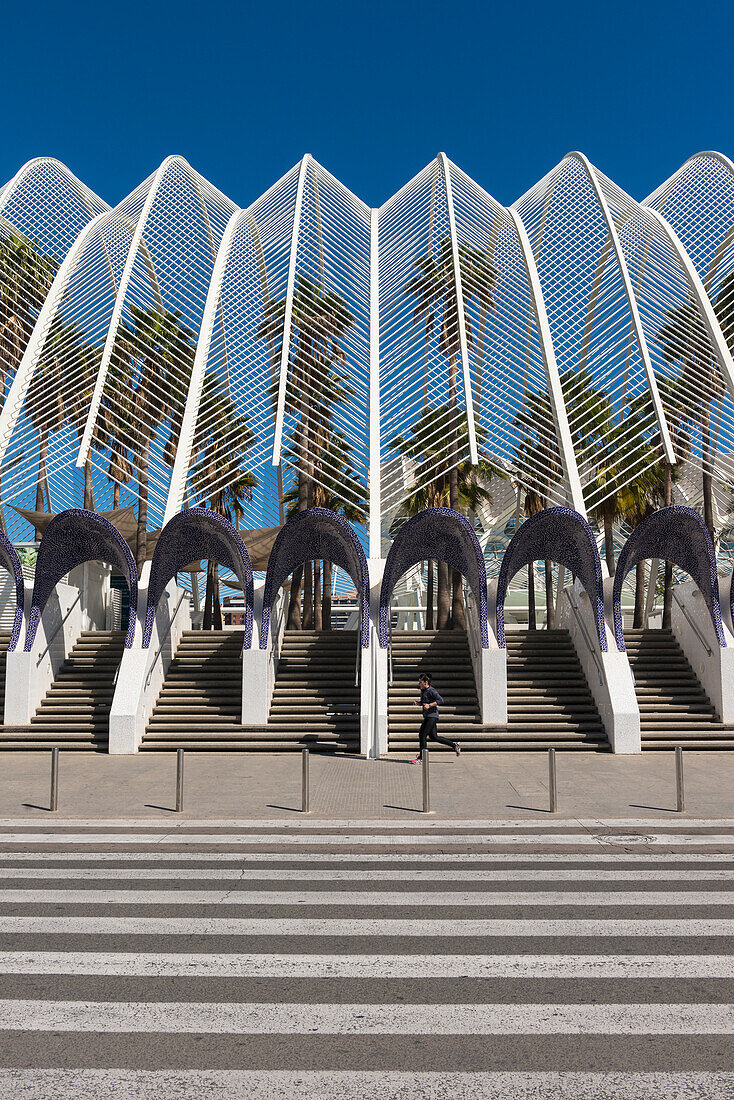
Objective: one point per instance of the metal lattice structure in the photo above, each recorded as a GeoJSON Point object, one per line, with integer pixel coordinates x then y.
{"type": "Point", "coordinates": [179, 350]}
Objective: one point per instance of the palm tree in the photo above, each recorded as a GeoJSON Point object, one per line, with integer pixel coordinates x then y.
{"type": "Point", "coordinates": [427, 449]}
{"type": "Point", "coordinates": [316, 383]}
{"type": "Point", "coordinates": [637, 500]}
{"type": "Point", "coordinates": [221, 440]}
{"type": "Point", "coordinates": [433, 289]}
{"type": "Point", "coordinates": [149, 370]}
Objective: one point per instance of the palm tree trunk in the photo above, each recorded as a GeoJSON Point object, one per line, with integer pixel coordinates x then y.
{"type": "Point", "coordinates": [208, 598]}
{"type": "Point", "coordinates": [609, 538]}
{"type": "Point", "coordinates": [116, 495]}
{"type": "Point", "coordinates": [308, 597]}
{"type": "Point", "coordinates": [218, 623]}
{"type": "Point", "coordinates": [550, 610]}
{"type": "Point", "coordinates": [531, 596]}
{"type": "Point", "coordinates": [444, 596]}
{"type": "Point", "coordinates": [89, 502]}
{"type": "Point", "coordinates": [668, 577]}
{"type": "Point", "coordinates": [42, 452]}
{"type": "Point", "coordinates": [326, 605]}
{"type": "Point", "coordinates": [294, 603]}
{"type": "Point", "coordinates": [638, 617]}
{"type": "Point", "coordinates": [317, 606]}
{"type": "Point", "coordinates": [142, 540]}
{"type": "Point", "coordinates": [429, 596]}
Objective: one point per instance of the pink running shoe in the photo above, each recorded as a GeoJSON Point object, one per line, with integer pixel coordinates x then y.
{"type": "Point", "coordinates": [416, 761]}
{"type": "Point", "coordinates": [458, 749]}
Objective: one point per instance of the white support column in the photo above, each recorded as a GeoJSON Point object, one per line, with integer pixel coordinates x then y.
{"type": "Point", "coordinates": [558, 404]}
{"type": "Point", "coordinates": [706, 310]}
{"type": "Point", "coordinates": [461, 319]}
{"type": "Point", "coordinates": [288, 314]}
{"type": "Point", "coordinates": [117, 312]}
{"type": "Point", "coordinates": [34, 348]}
{"type": "Point", "coordinates": [177, 487]}
{"type": "Point", "coordinates": [634, 310]}
{"type": "Point", "coordinates": [375, 488]}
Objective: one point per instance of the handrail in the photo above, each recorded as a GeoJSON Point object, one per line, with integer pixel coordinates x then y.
{"type": "Point", "coordinates": [691, 623]}
{"type": "Point", "coordinates": [163, 639]}
{"type": "Point", "coordinates": [58, 628]}
{"type": "Point", "coordinates": [587, 639]}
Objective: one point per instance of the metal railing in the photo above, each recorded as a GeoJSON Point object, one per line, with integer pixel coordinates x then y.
{"type": "Point", "coordinates": [694, 626]}
{"type": "Point", "coordinates": [167, 631]}
{"type": "Point", "coordinates": [389, 644]}
{"type": "Point", "coordinates": [58, 628]}
{"type": "Point", "coordinates": [587, 639]}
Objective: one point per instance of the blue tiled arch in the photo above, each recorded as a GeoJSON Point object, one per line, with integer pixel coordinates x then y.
{"type": "Point", "coordinates": [440, 534]}
{"type": "Point", "coordinates": [561, 535]}
{"type": "Point", "coordinates": [9, 560]}
{"type": "Point", "coordinates": [71, 539]}
{"type": "Point", "coordinates": [193, 534]}
{"type": "Point", "coordinates": [310, 535]}
{"type": "Point", "coordinates": [679, 535]}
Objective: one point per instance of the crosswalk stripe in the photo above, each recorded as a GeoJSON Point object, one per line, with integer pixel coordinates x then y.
{"type": "Point", "coordinates": [665, 859]}
{"type": "Point", "coordinates": [364, 926]}
{"type": "Point", "coordinates": [374, 840]}
{"type": "Point", "coordinates": [333, 966]}
{"type": "Point", "coordinates": [192, 1017]}
{"type": "Point", "coordinates": [237, 874]}
{"type": "Point", "coordinates": [169, 824]}
{"type": "Point", "coordinates": [352, 898]}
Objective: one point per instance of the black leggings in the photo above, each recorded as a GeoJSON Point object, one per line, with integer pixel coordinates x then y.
{"type": "Point", "coordinates": [429, 731]}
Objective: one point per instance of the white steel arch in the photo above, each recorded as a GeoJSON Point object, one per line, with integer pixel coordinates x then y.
{"type": "Point", "coordinates": [634, 311]}
{"type": "Point", "coordinates": [558, 404]}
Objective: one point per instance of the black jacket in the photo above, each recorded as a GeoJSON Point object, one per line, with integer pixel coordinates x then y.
{"type": "Point", "coordinates": [430, 695]}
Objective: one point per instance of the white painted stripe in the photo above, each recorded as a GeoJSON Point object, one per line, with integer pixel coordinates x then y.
{"type": "Point", "coordinates": [127, 1084]}
{"type": "Point", "coordinates": [275, 840]}
{"type": "Point", "coordinates": [361, 926]}
{"type": "Point", "coordinates": [169, 823]}
{"type": "Point", "coordinates": [352, 898]}
{"type": "Point", "coordinates": [665, 859]}
{"type": "Point", "coordinates": [427, 874]}
{"type": "Point", "coordinates": [192, 1017]}
{"type": "Point", "coordinates": [172, 965]}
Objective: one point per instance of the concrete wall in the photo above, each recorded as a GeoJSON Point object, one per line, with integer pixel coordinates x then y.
{"type": "Point", "coordinates": [608, 674]}
{"type": "Point", "coordinates": [143, 671]}
{"type": "Point", "coordinates": [692, 626]}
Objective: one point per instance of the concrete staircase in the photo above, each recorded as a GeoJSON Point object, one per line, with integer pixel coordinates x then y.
{"type": "Point", "coordinates": [315, 701]}
{"type": "Point", "coordinates": [445, 654]}
{"type": "Point", "coordinates": [75, 711]}
{"type": "Point", "coordinates": [674, 708]}
{"type": "Point", "coordinates": [549, 704]}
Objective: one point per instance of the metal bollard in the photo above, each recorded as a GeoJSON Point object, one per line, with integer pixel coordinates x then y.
{"type": "Point", "coordinates": [179, 780]}
{"type": "Point", "coordinates": [305, 800]}
{"type": "Point", "coordinates": [680, 793]}
{"type": "Point", "coordinates": [552, 780]}
{"type": "Point", "coordinates": [426, 783]}
{"type": "Point", "coordinates": [54, 779]}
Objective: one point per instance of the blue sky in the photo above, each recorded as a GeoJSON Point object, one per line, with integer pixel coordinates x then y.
{"type": "Point", "coordinates": [373, 91]}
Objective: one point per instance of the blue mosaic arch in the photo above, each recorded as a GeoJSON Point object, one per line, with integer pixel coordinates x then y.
{"type": "Point", "coordinates": [307, 536]}
{"type": "Point", "coordinates": [189, 536]}
{"type": "Point", "coordinates": [440, 534]}
{"type": "Point", "coordinates": [9, 560]}
{"type": "Point", "coordinates": [679, 535]}
{"type": "Point", "coordinates": [71, 539]}
{"type": "Point", "coordinates": [561, 535]}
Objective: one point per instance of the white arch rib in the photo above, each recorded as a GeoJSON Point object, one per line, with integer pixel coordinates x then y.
{"type": "Point", "coordinates": [26, 169]}
{"type": "Point", "coordinates": [34, 348]}
{"type": "Point", "coordinates": [708, 315]}
{"type": "Point", "coordinates": [117, 310]}
{"type": "Point", "coordinates": [632, 303]}
{"type": "Point", "coordinates": [558, 404]}
{"type": "Point", "coordinates": [179, 476]}
{"type": "Point", "coordinates": [461, 318]}
{"type": "Point", "coordinates": [375, 479]}
{"type": "Point", "coordinates": [285, 350]}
